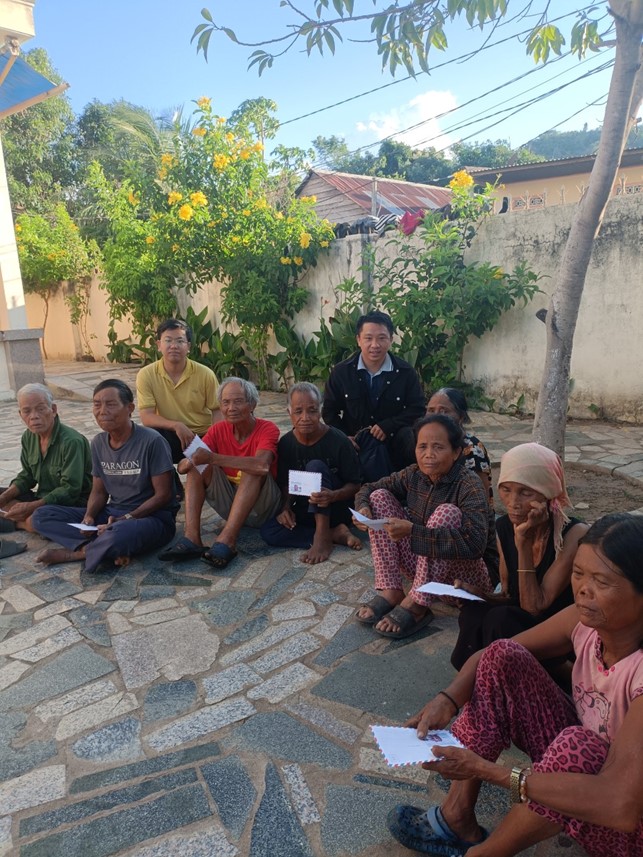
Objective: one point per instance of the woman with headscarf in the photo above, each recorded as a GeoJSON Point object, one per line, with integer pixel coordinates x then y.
{"type": "Point", "coordinates": [537, 543]}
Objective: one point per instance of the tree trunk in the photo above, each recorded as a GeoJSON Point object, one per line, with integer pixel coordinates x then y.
{"type": "Point", "coordinates": [623, 101]}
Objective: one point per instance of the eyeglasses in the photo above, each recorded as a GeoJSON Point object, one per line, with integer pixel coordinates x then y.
{"type": "Point", "coordinates": [181, 340]}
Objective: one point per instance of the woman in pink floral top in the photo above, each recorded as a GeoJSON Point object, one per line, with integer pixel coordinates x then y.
{"type": "Point", "coordinates": [586, 776]}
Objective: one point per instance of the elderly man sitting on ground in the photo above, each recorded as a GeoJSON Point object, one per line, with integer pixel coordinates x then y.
{"type": "Point", "coordinates": [238, 480]}
{"type": "Point", "coordinates": [131, 508]}
{"type": "Point", "coordinates": [55, 466]}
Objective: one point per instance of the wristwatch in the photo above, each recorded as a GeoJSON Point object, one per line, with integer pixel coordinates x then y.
{"type": "Point", "coordinates": [128, 517]}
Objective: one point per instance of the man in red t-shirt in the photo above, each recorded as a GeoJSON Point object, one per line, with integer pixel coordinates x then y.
{"type": "Point", "coordinates": [237, 479]}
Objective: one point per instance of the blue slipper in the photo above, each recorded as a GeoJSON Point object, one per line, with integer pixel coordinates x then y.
{"type": "Point", "coordinates": [219, 555]}
{"type": "Point", "coordinates": [182, 550]}
{"type": "Point", "coordinates": [427, 831]}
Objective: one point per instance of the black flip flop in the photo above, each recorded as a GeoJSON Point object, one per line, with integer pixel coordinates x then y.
{"type": "Point", "coordinates": [380, 607]}
{"type": "Point", "coordinates": [408, 623]}
{"type": "Point", "coordinates": [219, 555]}
{"type": "Point", "coordinates": [8, 549]}
{"type": "Point", "coordinates": [181, 551]}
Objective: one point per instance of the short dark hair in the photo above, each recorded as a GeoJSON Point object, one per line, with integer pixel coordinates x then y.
{"type": "Point", "coordinates": [457, 399]}
{"type": "Point", "coordinates": [374, 317]}
{"type": "Point", "coordinates": [124, 392]}
{"type": "Point", "coordinates": [453, 429]}
{"type": "Point", "coordinates": [619, 537]}
{"type": "Point", "coordinates": [174, 324]}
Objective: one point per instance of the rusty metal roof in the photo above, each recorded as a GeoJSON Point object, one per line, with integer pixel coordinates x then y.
{"type": "Point", "coordinates": [551, 169]}
{"type": "Point", "coordinates": [394, 196]}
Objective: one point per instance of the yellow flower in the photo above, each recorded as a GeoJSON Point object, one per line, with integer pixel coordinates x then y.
{"type": "Point", "coordinates": [220, 162]}
{"type": "Point", "coordinates": [175, 248]}
{"type": "Point", "coordinates": [258, 147]}
{"type": "Point", "coordinates": [304, 240]}
{"type": "Point", "coordinates": [298, 260]}
{"type": "Point", "coordinates": [162, 173]}
{"type": "Point", "coordinates": [174, 196]}
{"type": "Point", "coordinates": [18, 227]}
{"type": "Point", "coordinates": [186, 211]}
{"type": "Point", "coordinates": [51, 256]}
{"type": "Point", "coordinates": [199, 131]}
{"type": "Point", "coordinates": [286, 260]}
{"type": "Point", "coordinates": [132, 198]}
{"type": "Point", "coordinates": [150, 239]}
{"type": "Point", "coordinates": [235, 239]}
{"type": "Point", "coordinates": [461, 180]}
{"type": "Point", "coordinates": [244, 154]}
{"type": "Point", "coordinates": [279, 216]}
{"type": "Point", "coordinates": [498, 274]}
{"type": "Point", "coordinates": [221, 120]}
{"type": "Point", "coordinates": [212, 224]}
{"type": "Point", "coordinates": [204, 102]}
{"type": "Point", "coordinates": [198, 199]}
{"type": "Point", "coordinates": [246, 212]}
{"type": "Point", "coordinates": [167, 160]}
{"type": "Point", "coordinates": [229, 137]}
{"type": "Point", "coordinates": [323, 243]}
{"type": "Point", "coordinates": [308, 198]}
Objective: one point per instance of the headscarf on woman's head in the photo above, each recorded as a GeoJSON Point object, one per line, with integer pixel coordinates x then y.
{"type": "Point", "coordinates": [540, 469]}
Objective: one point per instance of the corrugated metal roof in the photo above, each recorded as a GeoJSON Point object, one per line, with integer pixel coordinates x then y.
{"type": "Point", "coordinates": [551, 169]}
{"type": "Point", "coordinates": [393, 195]}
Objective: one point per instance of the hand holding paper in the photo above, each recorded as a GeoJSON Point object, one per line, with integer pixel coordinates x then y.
{"type": "Point", "coordinates": [369, 522]}
{"type": "Point", "coordinates": [196, 443]}
{"type": "Point", "coordinates": [401, 746]}
{"type": "Point", "coordinates": [303, 483]}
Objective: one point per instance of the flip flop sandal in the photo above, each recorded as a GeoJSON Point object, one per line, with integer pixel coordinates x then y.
{"type": "Point", "coordinates": [219, 555]}
{"type": "Point", "coordinates": [427, 831]}
{"type": "Point", "coordinates": [407, 622]}
{"type": "Point", "coordinates": [380, 607]}
{"type": "Point", "coordinates": [182, 550]}
{"type": "Point", "coordinates": [8, 549]}
{"type": "Point", "coordinates": [7, 525]}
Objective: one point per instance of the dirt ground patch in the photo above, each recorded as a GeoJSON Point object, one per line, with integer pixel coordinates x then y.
{"type": "Point", "coordinates": [593, 494]}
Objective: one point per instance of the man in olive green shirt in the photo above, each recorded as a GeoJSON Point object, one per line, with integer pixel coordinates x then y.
{"type": "Point", "coordinates": [55, 460]}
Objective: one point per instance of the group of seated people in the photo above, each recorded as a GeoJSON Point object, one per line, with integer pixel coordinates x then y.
{"type": "Point", "coordinates": [422, 488]}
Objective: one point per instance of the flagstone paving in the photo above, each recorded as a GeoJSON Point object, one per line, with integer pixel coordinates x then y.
{"type": "Point", "coordinates": [165, 709]}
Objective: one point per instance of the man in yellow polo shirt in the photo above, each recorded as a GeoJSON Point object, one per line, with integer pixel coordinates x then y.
{"type": "Point", "coordinates": [177, 396]}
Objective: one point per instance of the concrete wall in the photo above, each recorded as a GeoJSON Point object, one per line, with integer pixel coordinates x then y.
{"type": "Point", "coordinates": [508, 361]}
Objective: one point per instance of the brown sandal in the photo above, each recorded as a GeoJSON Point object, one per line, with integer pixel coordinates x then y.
{"type": "Point", "coordinates": [380, 607]}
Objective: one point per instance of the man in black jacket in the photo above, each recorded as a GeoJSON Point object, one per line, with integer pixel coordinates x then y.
{"type": "Point", "coordinates": [374, 398]}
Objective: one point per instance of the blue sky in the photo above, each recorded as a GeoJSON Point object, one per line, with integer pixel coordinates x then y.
{"type": "Point", "coordinates": [140, 50]}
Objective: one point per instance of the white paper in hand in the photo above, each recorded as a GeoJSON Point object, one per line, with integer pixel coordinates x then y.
{"type": "Point", "coordinates": [85, 528]}
{"type": "Point", "coordinates": [191, 448]}
{"type": "Point", "coordinates": [304, 483]}
{"type": "Point", "coordinates": [434, 588]}
{"type": "Point", "coordinates": [401, 746]}
{"type": "Point", "coordinates": [369, 522]}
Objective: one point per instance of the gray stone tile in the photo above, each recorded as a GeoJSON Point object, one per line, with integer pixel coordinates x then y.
{"type": "Point", "coordinates": [233, 792]}
{"type": "Point", "coordinates": [173, 649]}
{"type": "Point", "coordinates": [46, 821]}
{"type": "Point", "coordinates": [96, 713]}
{"type": "Point", "coordinates": [118, 624]}
{"type": "Point", "coordinates": [122, 606]}
{"type": "Point", "coordinates": [380, 683]}
{"type": "Point", "coordinates": [324, 597]}
{"type": "Point", "coordinates": [271, 637]}
{"type": "Point", "coordinates": [97, 634]}
{"type": "Point", "coordinates": [276, 829]}
{"type": "Point", "coordinates": [35, 634]}
{"type": "Point", "coordinates": [16, 762]}
{"type": "Point", "coordinates": [87, 615]}
{"type": "Point", "coordinates": [21, 599]}
{"type": "Point", "coordinates": [336, 616]}
{"type": "Point", "coordinates": [32, 789]}
{"type": "Point", "coordinates": [300, 795]}
{"type": "Point", "coordinates": [153, 592]}
{"type": "Point", "coordinates": [72, 669]}
{"type": "Point", "coordinates": [54, 608]}
{"type": "Point", "coordinates": [248, 630]}
{"type": "Point", "coordinates": [168, 699]}
{"type": "Point", "coordinates": [388, 783]}
{"type": "Point", "coordinates": [54, 589]}
{"type": "Point", "coordinates": [10, 673]}
{"type": "Point", "coordinates": [154, 605]}
{"type": "Point", "coordinates": [279, 686]}
{"type": "Point", "coordinates": [292, 610]}
{"type": "Point", "coordinates": [6, 843]}
{"type": "Point", "coordinates": [146, 768]}
{"type": "Point", "coordinates": [292, 649]}
{"type": "Point", "coordinates": [164, 577]}
{"type": "Point", "coordinates": [212, 843]}
{"type": "Point", "coordinates": [159, 616]}
{"type": "Point", "coordinates": [118, 742]}
{"type": "Point", "coordinates": [229, 682]}
{"type": "Point", "coordinates": [202, 722]}
{"type": "Point", "coordinates": [249, 576]}
{"type": "Point", "coordinates": [15, 622]}
{"type": "Point", "coordinates": [327, 722]}
{"type": "Point", "coordinates": [356, 815]}
{"type": "Point", "coordinates": [105, 836]}
{"type": "Point", "coordinates": [282, 585]}
{"type": "Point", "coordinates": [122, 589]}
{"type": "Point", "coordinates": [346, 640]}
{"type": "Point", "coordinates": [279, 735]}
{"type": "Point", "coordinates": [61, 640]}
{"type": "Point", "coordinates": [57, 708]}
{"type": "Point", "coordinates": [227, 608]}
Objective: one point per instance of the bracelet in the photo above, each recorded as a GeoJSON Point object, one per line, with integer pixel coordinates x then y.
{"type": "Point", "coordinates": [451, 700]}
{"type": "Point", "coordinates": [514, 784]}
{"type": "Point", "coordinates": [522, 784]}
{"type": "Point", "coordinates": [526, 571]}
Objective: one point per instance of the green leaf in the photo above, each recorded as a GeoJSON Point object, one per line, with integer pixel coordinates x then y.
{"type": "Point", "coordinates": [230, 34]}
{"type": "Point", "coordinates": [205, 13]}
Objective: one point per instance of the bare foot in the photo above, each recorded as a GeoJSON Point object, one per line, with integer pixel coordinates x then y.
{"type": "Point", "coordinates": [122, 561]}
{"type": "Point", "coordinates": [393, 596]}
{"type": "Point", "coordinates": [341, 535]}
{"type": "Point", "coordinates": [319, 552]}
{"type": "Point", "coordinates": [52, 556]}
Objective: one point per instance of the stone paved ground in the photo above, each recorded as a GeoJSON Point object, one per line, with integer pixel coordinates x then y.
{"type": "Point", "coordinates": [166, 710]}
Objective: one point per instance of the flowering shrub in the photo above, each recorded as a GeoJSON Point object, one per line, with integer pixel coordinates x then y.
{"type": "Point", "coordinates": [210, 217]}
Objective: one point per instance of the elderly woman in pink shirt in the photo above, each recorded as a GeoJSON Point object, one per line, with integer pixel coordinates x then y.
{"type": "Point", "coordinates": [586, 773]}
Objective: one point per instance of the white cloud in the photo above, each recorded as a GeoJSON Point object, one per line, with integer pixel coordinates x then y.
{"type": "Point", "coordinates": [419, 111]}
